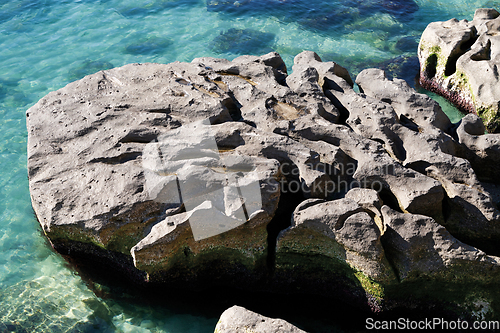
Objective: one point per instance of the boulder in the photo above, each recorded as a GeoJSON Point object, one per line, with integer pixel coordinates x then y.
{"type": "Point", "coordinates": [460, 59]}
{"type": "Point", "coordinates": [410, 106]}
{"type": "Point", "coordinates": [233, 173]}
{"type": "Point", "coordinates": [237, 319]}
{"type": "Point", "coordinates": [109, 189]}
{"type": "Point", "coordinates": [266, 100]}
{"type": "Point", "coordinates": [374, 168]}
{"type": "Point", "coordinates": [371, 203]}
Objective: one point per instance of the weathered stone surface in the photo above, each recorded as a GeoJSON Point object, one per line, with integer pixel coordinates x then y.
{"type": "Point", "coordinates": [237, 319]}
{"type": "Point", "coordinates": [374, 168]}
{"type": "Point", "coordinates": [418, 246]}
{"type": "Point", "coordinates": [460, 60]}
{"type": "Point", "coordinates": [369, 200]}
{"type": "Point", "coordinates": [96, 130]}
{"type": "Point", "coordinates": [189, 173]}
{"type": "Point", "coordinates": [421, 250]}
{"type": "Point", "coordinates": [435, 155]}
{"type": "Point", "coordinates": [190, 242]}
{"type": "Point", "coordinates": [409, 105]}
{"type": "Point", "coordinates": [265, 99]}
{"type": "Point", "coordinates": [98, 191]}
{"type": "Point", "coordinates": [343, 236]}
{"type": "Point", "coordinates": [483, 149]}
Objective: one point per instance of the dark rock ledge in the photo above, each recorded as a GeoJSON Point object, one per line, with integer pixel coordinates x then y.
{"type": "Point", "coordinates": [235, 174]}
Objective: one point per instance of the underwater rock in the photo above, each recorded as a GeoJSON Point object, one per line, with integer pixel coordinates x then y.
{"type": "Point", "coordinates": [322, 19]}
{"type": "Point", "coordinates": [6, 87]}
{"type": "Point", "coordinates": [150, 7]}
{"type": "Point", "coordinates": [88, 67]}
{"type": "Point", "coordinates": [243, 41]}
{"type": "Point", "coordinates": [34, 11]}
{"type": "Point", "coordinates": [401, 67]}
{"type": "Point", "coordinates": [149, 46]}
{"type": "Point", "coordinates": [407, 44]}
{"type": "Point", "coordinates": [459, 60]}
{"type": "Point", "coordinates": [401, 9]}
{"type": "Point", "coordinates": [317, 15]}
{"type": "Point", "coordinates": [221, 173]}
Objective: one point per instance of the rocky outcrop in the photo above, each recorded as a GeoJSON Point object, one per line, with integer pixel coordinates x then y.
{"type": "Point", "coordinates": [236, 174]}
{"type": "Point", "coordinates": [237, 319]}
{"type": "Point", "coordinates": [460, 60]}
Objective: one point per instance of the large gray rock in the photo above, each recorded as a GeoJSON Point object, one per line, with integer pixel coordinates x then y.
{"type": "Point", "coordinates": [418, 246]}
{"type": "Point", "coordinates": [188, 173]}
{"type": "Point", "coordinates": [105, 190]}
{"type": "Point", "coordinates": [237, 319]}
{"type": "Point", "coordinates": [95, 131]}
{"type": "Point", "coordinates": [460, 60]}
{"type": "Point", "coordinates": [374, 168]}
{"type": "Point", "coordinates": [257, 85]}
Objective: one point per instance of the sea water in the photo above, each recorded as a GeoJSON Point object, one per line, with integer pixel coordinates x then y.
{"type": "Point", "coordinates": [45, 44]}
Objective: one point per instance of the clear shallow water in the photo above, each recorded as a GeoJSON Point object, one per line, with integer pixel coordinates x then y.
{"type": "Point", "coordinates": [45, 44]}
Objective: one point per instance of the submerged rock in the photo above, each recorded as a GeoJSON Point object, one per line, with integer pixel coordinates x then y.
{"type": "Point", "coordinates": [148, 46]}
{"type": "Point", "coordinates": [319, 15]}
{"type": "Point", "coordinates": [88, 67]}
{"type": "Point", "coordinates": [242, 41]}
{"type": "Point", "coordinates": [460, 59]}
{"type": "Point", "coordinates": [402, 67]}
{"type": "Point", "coordinates": [182, 174]}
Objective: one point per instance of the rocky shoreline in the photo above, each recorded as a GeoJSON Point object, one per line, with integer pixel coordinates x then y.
{"type": "Point", "coordinates": [236, 174]}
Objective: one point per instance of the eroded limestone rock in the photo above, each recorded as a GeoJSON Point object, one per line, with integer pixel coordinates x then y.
{"type": "Point", "coordinates": [460, 60]}
{"type": "Point", "coordinates": [186, 173]}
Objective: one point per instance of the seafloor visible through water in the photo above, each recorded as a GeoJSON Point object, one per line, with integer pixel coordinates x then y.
{"type": "Point", "coordinates": [45, 44]}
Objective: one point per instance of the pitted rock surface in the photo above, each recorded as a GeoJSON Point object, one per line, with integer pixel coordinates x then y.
{"type": "Point", "coordinates": [187, 174]}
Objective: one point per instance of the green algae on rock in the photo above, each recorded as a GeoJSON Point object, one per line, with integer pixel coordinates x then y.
{"type": "Point", "coordinates": [459, 60]}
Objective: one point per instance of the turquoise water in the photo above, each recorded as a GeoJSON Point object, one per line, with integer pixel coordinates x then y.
{"type": "Point", "coordinates": [45, 44]}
